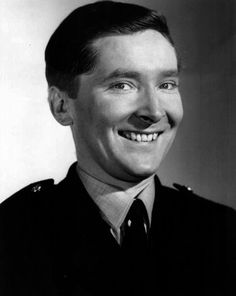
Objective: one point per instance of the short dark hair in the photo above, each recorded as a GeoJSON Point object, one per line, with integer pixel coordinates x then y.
{"type": "Point", "coordinates": [69, 52]}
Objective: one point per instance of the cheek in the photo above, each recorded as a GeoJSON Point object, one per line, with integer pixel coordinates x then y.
{"type": "Point", "coordinates": [84, 113]}
{"type": "Point", "coordinates": [174, 109]}
{"type": "Point", "coordinates": [179, 111]}
{"type": "Point", "coordinates": [112, 110]}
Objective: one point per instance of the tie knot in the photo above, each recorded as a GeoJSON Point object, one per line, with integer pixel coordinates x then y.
{"type": "Point", "coordinates": [137, 214]}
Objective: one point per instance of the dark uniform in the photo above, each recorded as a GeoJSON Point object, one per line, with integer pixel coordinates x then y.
{"type": "Point", "coordinates": [53, 241]}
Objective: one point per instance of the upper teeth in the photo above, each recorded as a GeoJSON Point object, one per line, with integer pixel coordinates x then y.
{"type": "Point", "coordinates": [140, 137]}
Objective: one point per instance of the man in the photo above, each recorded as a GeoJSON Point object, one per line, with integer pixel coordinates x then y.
{"type": "Point", "coordinates": [110, 227]}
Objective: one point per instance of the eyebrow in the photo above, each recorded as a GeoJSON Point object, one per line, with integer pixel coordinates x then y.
{"type": "Point", "coordinates": [122, 73]}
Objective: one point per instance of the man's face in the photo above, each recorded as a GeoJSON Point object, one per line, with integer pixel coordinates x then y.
{"type": "Point", "coordinates": [127, 110]}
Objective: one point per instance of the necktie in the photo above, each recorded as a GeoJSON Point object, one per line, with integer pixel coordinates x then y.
{"type": "Point", "coordinates": [134, 246]}
{"type": "Point", "coordinates": [135, 228]}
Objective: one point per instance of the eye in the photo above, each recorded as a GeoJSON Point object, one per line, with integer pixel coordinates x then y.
{"type": "Point", "coordinates": [121, 86]}
{"type": "Point", "coordinates": [169, 85]}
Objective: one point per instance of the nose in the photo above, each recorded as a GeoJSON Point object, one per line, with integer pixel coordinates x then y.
{"type": "Point", "coordinates": [151, 109]}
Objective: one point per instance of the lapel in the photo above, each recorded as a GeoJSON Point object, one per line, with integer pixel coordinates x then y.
{"type": "Point", "coordinates": [163, 214]}
{"type": "Point", "coordinates": [81, 214]}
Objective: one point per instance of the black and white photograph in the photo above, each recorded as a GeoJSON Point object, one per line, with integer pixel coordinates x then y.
{"type": "Point", "coordinates": [117, 148]}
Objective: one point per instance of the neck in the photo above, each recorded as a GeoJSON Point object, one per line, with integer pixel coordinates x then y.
{"type": "Point", "coordinates": [104, 177]}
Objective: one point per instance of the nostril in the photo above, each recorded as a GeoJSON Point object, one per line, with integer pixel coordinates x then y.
{"type": "Point", "coordinates": [150, 118]}
{"type": "Point", "coordinates": [141, 121]}
{"type": "Point", "coordinates": [146, 119]}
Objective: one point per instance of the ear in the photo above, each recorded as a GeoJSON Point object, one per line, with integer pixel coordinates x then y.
{"type": "Point", "coordinates": [59, 105]}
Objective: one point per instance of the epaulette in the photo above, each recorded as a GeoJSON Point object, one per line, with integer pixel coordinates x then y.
{"type": "Point", "coordinates": [183, 188]}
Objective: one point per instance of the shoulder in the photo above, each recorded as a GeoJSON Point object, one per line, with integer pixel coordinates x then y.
{"type": "Point", "coordinates": [189, 207]}
{"type": "Point", "coordinates": [38, 198]}
{"type": "Point", "coordinates": [184, 194]}
{"type": "Point", "coordinates": [26, 213]}
{"type": "Point", "coordinates": [31, 190]}
{"type": "Point", "coordinates": [26, 197]}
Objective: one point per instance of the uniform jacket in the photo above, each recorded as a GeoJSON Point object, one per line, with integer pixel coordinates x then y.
{"type": "Point", "coordinates": [53, 241]}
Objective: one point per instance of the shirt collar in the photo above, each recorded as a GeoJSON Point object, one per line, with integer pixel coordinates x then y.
{"type": "Point", "coordinates": [114, 200]}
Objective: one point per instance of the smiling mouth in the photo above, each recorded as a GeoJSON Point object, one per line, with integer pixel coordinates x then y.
{"type": "Point", "coordinates": [139, 137]}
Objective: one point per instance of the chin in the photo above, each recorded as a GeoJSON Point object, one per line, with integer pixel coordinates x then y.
{"type": "Point", "coordinates": [140, 172]}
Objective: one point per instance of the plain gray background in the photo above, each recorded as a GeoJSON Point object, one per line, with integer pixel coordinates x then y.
{"type": "Point", "coordinates": [204, 151]}
{"type": "Point", "coordinates": [33, 146]}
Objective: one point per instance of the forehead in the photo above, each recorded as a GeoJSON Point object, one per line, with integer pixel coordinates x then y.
{"type": "Point", "coordinates": [143, 51]}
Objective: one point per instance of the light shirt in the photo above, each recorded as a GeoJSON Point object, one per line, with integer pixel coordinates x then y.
{"type": "Point", "coordinates": [114, 200]}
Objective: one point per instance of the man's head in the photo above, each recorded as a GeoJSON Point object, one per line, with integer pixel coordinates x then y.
{"type": "Point", "coordinates": [112, 72]}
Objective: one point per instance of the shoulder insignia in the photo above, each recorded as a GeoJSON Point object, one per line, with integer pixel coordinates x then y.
{"type": "Point", "coordinates": [33, 188]}
{"type": "Point", "coordinates": [36, 188]}
{"type": "Point", "coordinates": [41, 185]}
{"type": "Point", "coordinates": [183, 188]}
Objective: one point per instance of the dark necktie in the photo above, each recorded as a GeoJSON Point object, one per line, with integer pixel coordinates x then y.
{"type": "Point", "coordinates": [134, 230]}
{"type": "Point", "coordinates": [134, 246]}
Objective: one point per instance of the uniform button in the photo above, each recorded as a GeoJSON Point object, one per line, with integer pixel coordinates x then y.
{"type": "Point", "coordinates": [36, 188]}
